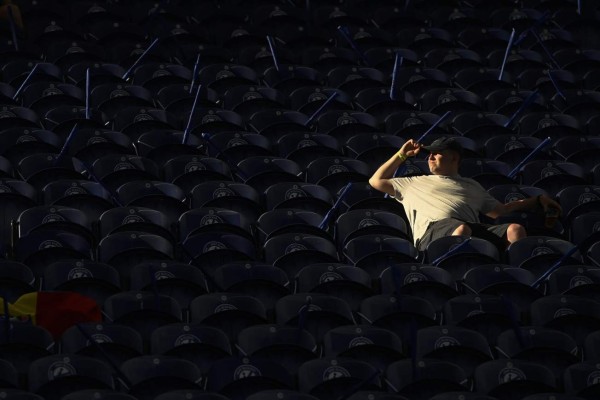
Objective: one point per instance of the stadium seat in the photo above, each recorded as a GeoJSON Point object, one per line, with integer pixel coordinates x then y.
{"type": "Point", "coordinates": [91, 144]}
{"type": "Point", "coordinates": [571, 314]}
{"type": "Point", "coordinates": [457, 254]}
{"type": "Point", "coordinates": [462, 396]}
{"type": "Point", "coordinates": [90, 197]}
{"type": "Point", "coordinates": [108, 342]}
{"type": "Point", "coordinates": [42, 168]}
{"type": "Point", "coordinates": [305, 147]}
{"type": "Point", "coordinates": [284, 345]}
{"type": "Point", "coordinates": [151, 375]}
{"type": "Point", "coordinates": [378, 101]}
{"type": "Point", "coordinates": [154, 76]}
{"type": "Point", "coordinates": [553, 125]}
{"type": "Point", "coordinates": [282, 221]}
{"type": "Point", "coordinates": [289, 77]}
{"type": "Point", "coordinates": [41, 96]}
{"type": "Point", "coordinates": [55, 376]}
{"type": "Point", "coordinates": [165, 197]}
{"type": "Point", "coordinates": [135, 120]}
{"type": "Point", "coordinates": [89, 278]}
{"type": "Point", "coordinates": [293, 251]}
{"type": "Point", "coordinates": [281, 394]}
{"type": "Point", "coordinates": [375, 395]}
{"type": "Point", "coordinates": [187, 171]}
{"type": "Point", "coordinates": [134, 218]}
{"type": "Point", "coordinates": [354, 223]}
{"type": "Point", "coordinates": [210, 119]}
{"type": "Point", "coordinates": [230, 312]}
{"type": "Point", "coordinates": [39, 249]}
{"type": "Point", "coordinates": [123, 250]}
{"type": "Point", "coordinates": [512, 149]}
{"type": "Point", "coordinates": [215, 220]}
{"type": "Point", "coordinates": [538, 253]}
{"type": "Point", "coordinates": [309, 99]}
{"type": "Point", "coordinates": [579, 280]}
{"type": "Point", "coordinates": [402, 314]}
{"type": "Point", "coordinates": [238, 378]}
{"type": "Point", "coordinates": [505, 379]}
{"type": "Point", "coordinates": [551, 395]}
{"type": "Point", "coordinates": [193, 394]}
{"type": "Point", "coordinates": [327, 377]}
{"type": "Point", "coordinates": [433, 284]}
{"type": "Point", "coordinates": [493, 315]}
{"type": "Point", "coordinates": [347, 282]}
{"type": "Point", "coordinates": [22, 344]}
{"type": "Point", "coordinates": [375, 252]}
{"type": "Point", "coordinates": [593, 254]}
{"type": "Point", "coordinates": [377, 346]}
{"type": "Point", "coordinates": [142, 311]}
{"type": "Point", "coordinates": [115, 170]}
{"type": "Point", "coordinates": [579, 380]}
{"type": "Point", "coordinates": [17, 143]}
{"type": "Point", "coordinates": [554, 349]}
{"type": "Point", "coordinates": [104, 394]}
{"type": "Point", "coordinates": [578, 199]}
{"type": "Point", "coordinates": [248, 99]}
{"type": "Point", "coordinates": [261, 172]}
{"type": "Point", "coordinates": [111, 97]}
{"type": "Point", "coordinates": [10, 380]}
{"type": "Point", "coordinates": [199, 344]}
{"type": "Point", "coordinates": [263, 281]}
{"type": "Point", "coordinates": [295, 195]}
{"type": "Point", "coordinates": [16, 279]}
{"type": "Point", "coordinates": [221, 77]}
{"type": "Point", "coordinates": [209, 250]}
{"type": "Point", "coordinates": [179, 97]}
{"type": "Point", "coordinates": [442, 100]}
{"type": "Point", "coordinates": [464, 347]}
{"type": "Point", "coordinates": [229, 195]}
{"type": "Point", "coordinates": [514, 284]}
{"type": "Point", "coordinates": [552, 176]}
{"type": "Point", "coordinates": [55, 219]}
{"type": "Point", "coordinates": [182, 282]}
{"type": "Point", "coordinates": [425, 378]}
{"type": "Point", "coordinates": [344, 124]}
{"type": "Point", "coordinates": [315, 312]}
{"type": "Point", "coordinates": [162, 145]}
{"type": "Point", "coordinates": [233, 147]}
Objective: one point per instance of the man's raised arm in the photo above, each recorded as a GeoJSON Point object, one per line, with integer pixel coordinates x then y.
{"type": "Point", "coordinates": [381, 178]}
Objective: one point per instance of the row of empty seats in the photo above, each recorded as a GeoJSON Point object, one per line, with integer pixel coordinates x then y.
{"type": "Point", "coordinates": [558, 353]}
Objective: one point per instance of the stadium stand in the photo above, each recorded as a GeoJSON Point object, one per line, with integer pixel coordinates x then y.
{"type": "Point", "coordinates": [197, 170]}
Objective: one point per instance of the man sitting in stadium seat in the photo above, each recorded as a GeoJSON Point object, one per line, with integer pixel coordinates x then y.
{"type": "Point", "coordinates": [445, 203]}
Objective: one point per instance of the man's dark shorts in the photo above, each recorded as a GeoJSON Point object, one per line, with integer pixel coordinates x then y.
{"type": "Point", "coordinates": [444, 227]}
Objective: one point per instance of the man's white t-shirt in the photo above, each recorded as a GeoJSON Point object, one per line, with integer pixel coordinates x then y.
{"type": "Point", "coordinates": [429, 198]}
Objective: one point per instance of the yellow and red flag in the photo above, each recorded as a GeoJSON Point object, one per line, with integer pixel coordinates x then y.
{"type": "Point", "coordinates": [55, 311]}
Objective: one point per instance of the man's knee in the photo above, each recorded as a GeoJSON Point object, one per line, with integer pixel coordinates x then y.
{"type": "Point", "coordinates": [515, 232]}
{"type": "Point", "coordinates": [462, 230]}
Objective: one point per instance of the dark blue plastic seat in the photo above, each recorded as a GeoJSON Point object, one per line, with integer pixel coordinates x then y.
{"type": "Point", "coordinates": [107, 342]}
{"type": "Point", "coordinates": [288, 346]}
{"type": "Point", "coordinates": [55, 376]}
{"type": "Point", "coordinates": [197, 343]}
{"type": "Point", "coordinates": [90, 278]}
{"type": "Point", "coordinates": [150, 375]}
{"type": "Point", "coordinates": [229, 312]}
